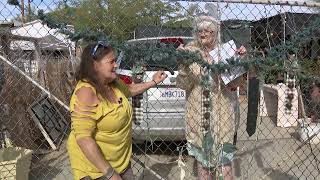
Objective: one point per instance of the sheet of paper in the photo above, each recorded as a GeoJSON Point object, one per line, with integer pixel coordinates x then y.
{"type": "Point", "coordinates": [227, 51]}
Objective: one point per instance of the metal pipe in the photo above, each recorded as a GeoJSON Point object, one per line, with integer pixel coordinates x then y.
{"type": "Point", "coordinates": [266, 2]}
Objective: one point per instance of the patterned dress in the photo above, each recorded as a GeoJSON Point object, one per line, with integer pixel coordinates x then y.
{"type": "Point", "coordinates": [210, 116]}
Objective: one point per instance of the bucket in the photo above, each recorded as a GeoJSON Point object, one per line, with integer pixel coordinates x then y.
{"type": "Point", "coordinates": [308, 129]}
{"type": "Point", "coordinates": [15, 163]}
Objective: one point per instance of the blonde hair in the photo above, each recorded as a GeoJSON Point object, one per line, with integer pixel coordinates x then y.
{"type": "Point", "coordinates": [205, 22]}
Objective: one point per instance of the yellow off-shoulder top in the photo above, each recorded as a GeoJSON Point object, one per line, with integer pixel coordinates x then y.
{"type": "Point", "coordinates": [108, 123]}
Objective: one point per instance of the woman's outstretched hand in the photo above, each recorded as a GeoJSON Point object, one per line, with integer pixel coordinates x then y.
{"type": "Point", "coordinates": [159, 76]}
{"type": "Point", "coordinates": [241, 51]}
{"type": "Point", "coordinates": [181, 47]}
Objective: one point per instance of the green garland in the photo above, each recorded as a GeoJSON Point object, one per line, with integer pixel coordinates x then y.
{"type": "Point", "coordinates": [86, 35]}
{"type": "Point", "coordinates": [273, 60]}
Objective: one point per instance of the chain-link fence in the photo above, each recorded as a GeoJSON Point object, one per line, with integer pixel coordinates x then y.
{"type": "Point", "coordinates": [242, 105]}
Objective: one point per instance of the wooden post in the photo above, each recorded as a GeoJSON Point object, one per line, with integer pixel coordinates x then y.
{"type": "Point", "coordinates": [5, 44]}
{"type": "Point", "coordinates": [29, 10]}
{"type": "Point", "coordinates": [41, 64]}
{"type": "Point", "coordinates": [4, 37]}
{"type": "Point", "coordinates": [22, 11]}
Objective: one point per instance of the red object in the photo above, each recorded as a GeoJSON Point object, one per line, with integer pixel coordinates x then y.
{"type": "Point", "coordinates": [125, 79]}
{"type": "Point", "coordinates": [177, 41]}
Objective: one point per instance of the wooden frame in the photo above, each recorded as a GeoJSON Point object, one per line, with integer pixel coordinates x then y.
{"type": "Point", "coordinates": [49, 120]}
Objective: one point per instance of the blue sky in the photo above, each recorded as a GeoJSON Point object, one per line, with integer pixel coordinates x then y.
{"type": "Point", "coordinates": [228, 11]}
{"type": "Point", "coordinates": [251, 11]}
{"type": "Point", "coordinates": [255, 12]}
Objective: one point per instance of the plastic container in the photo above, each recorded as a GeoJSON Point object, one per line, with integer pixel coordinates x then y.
{"type": "Point", "coordinates": [308, 129]}
{"type": "Point", "coordinates": [15, 163]}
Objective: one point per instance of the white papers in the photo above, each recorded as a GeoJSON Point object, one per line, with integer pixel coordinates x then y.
{"type": "Point", "coordinates": [227, 50]}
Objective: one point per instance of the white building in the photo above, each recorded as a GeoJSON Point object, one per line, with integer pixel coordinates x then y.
{"type": "Point", "coordinates": [52, 45]}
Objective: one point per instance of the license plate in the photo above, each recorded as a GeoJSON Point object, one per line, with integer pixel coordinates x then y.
{"type": "Point", "coordinates": [173, 94]}
{"type": "Point", "coordinates": [163, 94]}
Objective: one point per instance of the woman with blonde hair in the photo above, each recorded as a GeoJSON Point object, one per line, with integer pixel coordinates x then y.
{"type": "Point", "coordinates": [210, 105]}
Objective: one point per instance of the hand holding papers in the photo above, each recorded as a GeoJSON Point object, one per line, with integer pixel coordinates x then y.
{"type": "Point", "coordinates": [227, 50]}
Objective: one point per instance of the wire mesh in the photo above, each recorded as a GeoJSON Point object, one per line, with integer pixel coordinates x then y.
{"type": "Point", "coordinates": [185, 124]}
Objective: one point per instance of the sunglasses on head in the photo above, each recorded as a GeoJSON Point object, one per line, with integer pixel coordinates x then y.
{"type": "Point", "coordinates": [99, 44]}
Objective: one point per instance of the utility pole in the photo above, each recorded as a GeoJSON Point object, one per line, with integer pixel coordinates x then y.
{"type": "Point", "coordinates": [29, 10]}
{"type": "Point", "coordinates": [22, 10]}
